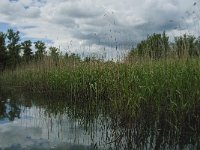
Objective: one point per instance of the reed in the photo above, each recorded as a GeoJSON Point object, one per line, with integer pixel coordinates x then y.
{"type": "Point", "coordinates": [169, 87]}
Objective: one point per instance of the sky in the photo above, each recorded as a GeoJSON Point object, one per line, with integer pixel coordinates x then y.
{"type": "Point", "coordinates": [100, 27]}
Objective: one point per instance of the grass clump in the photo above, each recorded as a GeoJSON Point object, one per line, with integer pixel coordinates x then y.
{"type": "Point", "coordinates": [159, 85]}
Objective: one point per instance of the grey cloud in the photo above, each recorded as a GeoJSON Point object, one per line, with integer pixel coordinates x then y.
{"type": "Point", "coordinates": [9, 8]}
{"type": "Point", "coordinates": [102, 23]}
{"type": "Point", "coordinates": [79, 9]}
{"type": "Point", "coordinates": [32, 12]}
{"type": "Point", "coordinates": [157, 16]}
{"type": "Point", "coordinates": [14, 10]}
{"type": "Point", "coordinates": [114, 37]}
{"type": "Point", "coordinates": [28, 27]}
{"type": "Point", "coordinates": [64, 21]}
{"type": "Point", "coordinates": [77, 12]}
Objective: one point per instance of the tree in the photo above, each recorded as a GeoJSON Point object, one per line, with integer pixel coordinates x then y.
{"type": "Point", "coordinates": [54, 52]}
{"type": "Point", "coordinates": [165, 42]}
{"type": "Point", "coordinates": [192, 51]}
{"type": "Point", "coordinates": [74, 57]}
{"type": "Point", "coordinates": [197, 46]}
{"type": "Point", "coordinates": [28, 54]}
{"type": "Point", "coordinates": [186, 44]}
{"type": "Point", "coordinates": [40, 49]}
{"type": "Point", "coordinates": [141, 48]}
{"type": "Point", "coordinates": [155, 46]}
{"type": "Point", "coordinates": [66, 55]}
{"type": "Point", "coordinates": [13, 48]}
{"type": "Point", "coordinates": [179, 46]}
{"type": "Point", "coordinates": [3, 52]}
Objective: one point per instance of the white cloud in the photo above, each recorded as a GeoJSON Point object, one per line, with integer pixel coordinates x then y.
{"type": "Point", "coordinates": [99, 23]}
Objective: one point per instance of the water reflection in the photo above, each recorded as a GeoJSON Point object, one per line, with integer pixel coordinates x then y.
{"type": "Point", "coordinates": [9, 110]}
{"type": "Point", "coordinates": [38, 122]}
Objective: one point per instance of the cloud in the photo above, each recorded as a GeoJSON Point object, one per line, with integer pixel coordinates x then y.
{"type": "Point", "coordinates": [99, 24]}
{"type": "Point", "coordinates": [79, 9]}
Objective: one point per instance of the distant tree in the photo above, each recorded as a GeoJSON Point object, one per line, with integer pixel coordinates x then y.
{"type": "Point", "coordinates": [40, 49]}
{"type": "Point", "coordinates": [54, 52]}
{"type": "Point", "coordinates": [197, 46]}
{"type": "Point", "coordinates": [3, 52]}
{"type": "Point", "coordinates": [91, 59]}
{"type": "Point", "coordinates": [165, 44]}
{"type": "Point", "coordinates": [13, 48]}
{"type": "Point", "coordinates": [66, 55]}
{"type": "Point", "coordinates": [141, 48]}
{"type": "Point", "coordinates": [186, 44]}
{"type": "Point", "coordinates": [155, 46]}
{"type": "Point", "coordinates": [179, 46]}
{"type": "Point", "coordinates": [87, 59]}
{"type": "Point", "coordinates": [26, 47]}
{"type": "Point", "coordinates": [74, 57]}
{"type": "Point", "coordinates": [192, 51]}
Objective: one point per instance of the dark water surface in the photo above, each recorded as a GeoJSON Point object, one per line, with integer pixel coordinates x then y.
{"type": "Point", "coordinates": [30, 121]}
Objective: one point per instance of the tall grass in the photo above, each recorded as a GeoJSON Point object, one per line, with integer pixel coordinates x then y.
{"type": "Point", "coordinates": [171, 85]}
{"type": "Point", "coordinates": [162, 95]}
{"type": "Point", "coordinates": [164, 89]}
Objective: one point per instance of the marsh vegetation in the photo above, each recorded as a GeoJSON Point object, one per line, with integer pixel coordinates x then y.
{"type": "Point", "coordinates": [43, 122]}
{"type": "Point", "coordinates": [149, 97]}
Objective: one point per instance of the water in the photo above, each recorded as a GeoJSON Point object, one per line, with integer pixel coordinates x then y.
{"type": "Point", "coordinates": [41, 122]}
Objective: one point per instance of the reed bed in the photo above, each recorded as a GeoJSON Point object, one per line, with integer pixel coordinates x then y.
{"type": "Point", "coordinates": [164, 88]}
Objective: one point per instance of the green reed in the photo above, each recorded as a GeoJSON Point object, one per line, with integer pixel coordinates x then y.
{"type": "Point", "coordinates": [172, 87]}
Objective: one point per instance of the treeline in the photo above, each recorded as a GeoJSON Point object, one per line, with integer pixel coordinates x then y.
{"type": "Point", "coordinates": [14, 52]}
{"type": "Point", "coordinates": [157, 46]}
